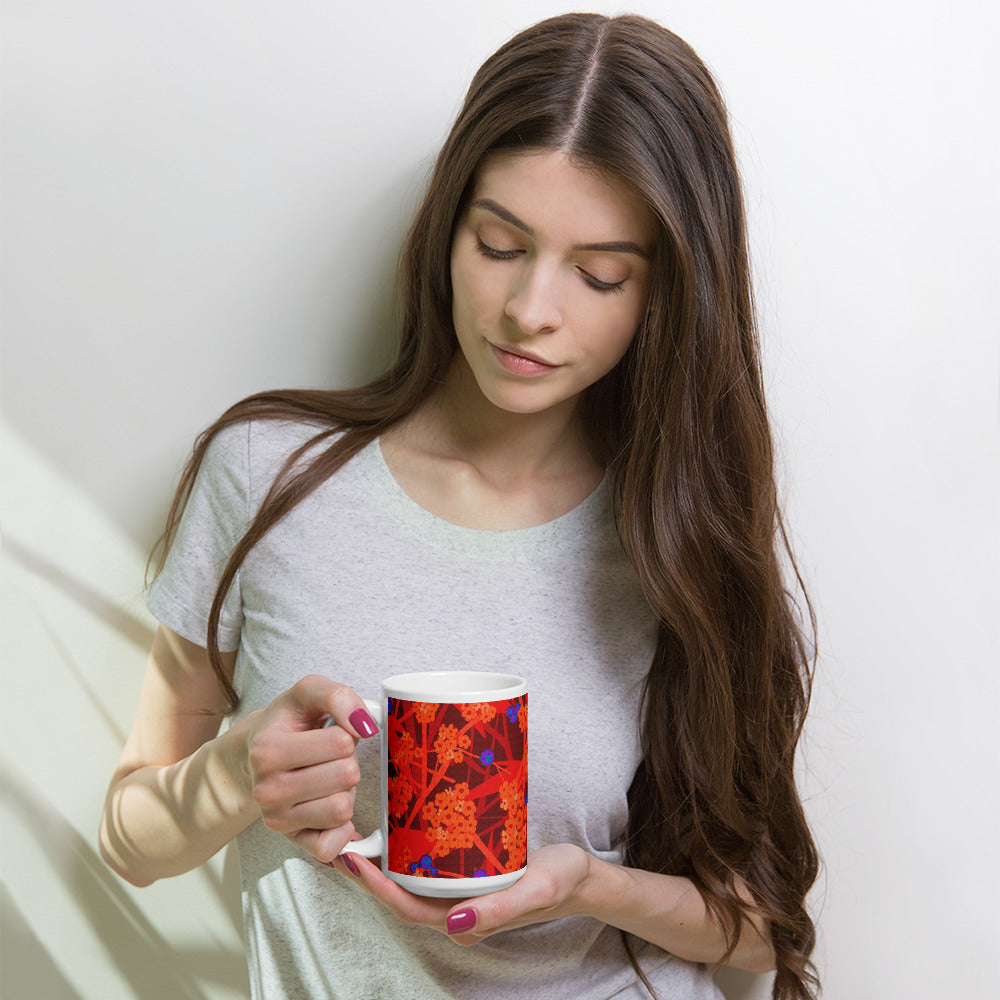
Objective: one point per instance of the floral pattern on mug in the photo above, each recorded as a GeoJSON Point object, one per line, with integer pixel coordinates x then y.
{"type": "Point", "coordinates": [458, 779]}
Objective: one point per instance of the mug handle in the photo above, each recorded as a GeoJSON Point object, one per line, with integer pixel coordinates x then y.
{"type": "Point", "coordinates": [373, 845]}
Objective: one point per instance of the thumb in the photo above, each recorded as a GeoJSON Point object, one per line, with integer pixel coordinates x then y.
{"type": "Point", "coordinates": [462, 920]}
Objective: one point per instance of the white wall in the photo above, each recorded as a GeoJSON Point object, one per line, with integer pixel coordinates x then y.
{"type": "Point", "coordinates": [205, 199]}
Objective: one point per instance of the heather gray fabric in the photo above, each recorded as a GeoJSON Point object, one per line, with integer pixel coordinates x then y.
{"type": "Point", "coordinates": [358, 583]}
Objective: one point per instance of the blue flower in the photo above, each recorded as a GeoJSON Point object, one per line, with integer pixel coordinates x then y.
{"type": "Point", "coordinates": [479, 873]}
{"type": "Point", "coordinates": [426, 862]}
{"type": "Point", "coordinates": [486, 758]}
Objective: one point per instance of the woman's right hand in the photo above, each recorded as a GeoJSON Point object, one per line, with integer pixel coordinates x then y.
{"type": "Point", "coordinates": [303, 776]}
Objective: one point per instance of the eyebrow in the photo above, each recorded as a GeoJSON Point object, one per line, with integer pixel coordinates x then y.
{"type": "Point", "coordinates": [612, 246]}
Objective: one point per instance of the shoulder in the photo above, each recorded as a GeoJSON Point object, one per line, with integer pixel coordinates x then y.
{"type": "Point", "coordinates": [254, 441]}
{"type": "Point", "coordinates": [249, 454]}
{"type": "Point", "coordinates": [271, 442]}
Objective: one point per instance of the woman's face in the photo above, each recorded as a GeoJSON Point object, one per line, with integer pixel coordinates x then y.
{"type": "Point", "coordinates": [550, 273]}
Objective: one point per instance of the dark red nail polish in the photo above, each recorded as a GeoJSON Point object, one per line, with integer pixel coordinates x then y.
{"type": "Point", "coordinates": [352, 865]}
{"type": "Point", "coordinates": [463, 920]}
{"type": "Point", "coordinates": [363, 722]}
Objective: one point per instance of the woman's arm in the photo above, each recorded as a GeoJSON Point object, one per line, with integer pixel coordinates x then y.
{"type": "Point", "coordinates": [181, 791]}
{"type": "Point", "coordinates": [669, 911]}
{"type": "Point", "coordinates": [564, 881]}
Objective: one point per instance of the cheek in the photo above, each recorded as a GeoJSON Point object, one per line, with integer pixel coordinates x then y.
{"type": "Point", "coordinates": [475, 296]}
{"type": "Point", "coordinates": [612, 337]}
{"type": "Point", "coordinates": [620, 349]}
{"type": "Point", "coordinates": [459, 299]}
{"type": "Point", "coordinates": [463, 287]}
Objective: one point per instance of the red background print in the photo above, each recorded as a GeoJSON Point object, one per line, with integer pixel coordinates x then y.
{"type": "Point", "coordinates": [458, 787]}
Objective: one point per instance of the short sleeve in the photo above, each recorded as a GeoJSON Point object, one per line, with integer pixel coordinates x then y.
{"type": "Point", "coordinates": [215, 518]}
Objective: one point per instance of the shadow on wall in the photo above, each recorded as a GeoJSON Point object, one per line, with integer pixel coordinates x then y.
{"type": "Point", "coordinates": [75, 640]}
{"type": "Point", "coordinates": [142, 957]}
{"type": "Point", "coordinates": [22, 949]}
{"type": "Point", "coordinates": [108, 613]}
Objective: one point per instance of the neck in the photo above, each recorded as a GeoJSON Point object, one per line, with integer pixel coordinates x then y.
{"type": "Point", "coordinates": [460, 422]}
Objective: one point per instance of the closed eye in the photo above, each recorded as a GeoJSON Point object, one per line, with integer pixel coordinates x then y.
{"type": "Point", "coordinates": [493, 252]}
{"type": "Point", "coordinates": [601, 286]}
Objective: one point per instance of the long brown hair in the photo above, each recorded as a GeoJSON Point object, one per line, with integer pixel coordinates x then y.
{"type": "Point", "coordinates": [684, 429]}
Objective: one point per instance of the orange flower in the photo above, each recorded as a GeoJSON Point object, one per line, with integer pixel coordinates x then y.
{"type": "Point", "coordinates": [478, 711]}
{"type": "Point", "coordinates": [400, 793]}
{"type": "Point", "coordinates": [425, 711]}
{"type": "Point", "coordinates": [450, 745]}
{"type": "Point", "coordinates": [514, 840]}
{"type": "Point", "coordinates": [404, 751]}
{"type": "Point", "coordinates": [514, 833]}
{"type": "Point", "coordinates": [450, 819]}
{"type": "Point", "coordinates": [511, 793]}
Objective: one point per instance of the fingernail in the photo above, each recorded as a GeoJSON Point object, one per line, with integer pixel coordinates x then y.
{"type": "Point", "coordinates": [463, 920]}
{"type": "Point", "coordinates": [352, 865]}
{"type": "Point", "coordinates": [363, 722]}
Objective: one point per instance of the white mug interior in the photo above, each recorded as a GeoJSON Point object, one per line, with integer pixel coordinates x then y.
{"type": "Point", "coordinates": [454, 686]}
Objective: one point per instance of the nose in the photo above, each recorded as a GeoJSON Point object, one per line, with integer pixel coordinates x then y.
{"type": "Point", "coordinates": [533, 303]}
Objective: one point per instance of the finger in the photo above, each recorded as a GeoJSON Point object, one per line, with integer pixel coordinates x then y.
{"type": "Point", "coordinates": [338, 864]}
{"type": "Point", "coordinates": [326, 813]}
{"type": "Point", "coordinates": [314, 698]}
{"type": "Point", "coordinates": [525, 902]}
{"type": "Point", "coordinates": [461, 923]}
{"type": "Point", "coordinates": [324, 845]}
{"type": "Point", "coordinates": [280, 790]}
{"type": "Point", "coordinates": [407, 906]}
{"type": "Point", "coordinates": [273, 751]}
{"type": "Point", "coordinates": [467, 940]}
{"type": "Point", "coordinates": [345, 863]}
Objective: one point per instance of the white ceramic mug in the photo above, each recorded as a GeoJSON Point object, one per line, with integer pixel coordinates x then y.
{"type": "Point", "coordinates": [454, 782]}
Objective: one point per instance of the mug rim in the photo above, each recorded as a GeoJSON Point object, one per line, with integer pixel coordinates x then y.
{"type": "Point", "coordinates": [454, 686]}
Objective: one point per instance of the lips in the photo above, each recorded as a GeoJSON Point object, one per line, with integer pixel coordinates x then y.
{"type": "Point", "coordinates": [521, 362]}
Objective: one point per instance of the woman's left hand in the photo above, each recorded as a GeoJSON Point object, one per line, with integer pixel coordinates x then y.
{"type": "Point", "coordinates": [549, 889]}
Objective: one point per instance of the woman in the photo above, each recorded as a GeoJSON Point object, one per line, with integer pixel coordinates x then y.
{"type": "Point", "coordinates": [568, 470]}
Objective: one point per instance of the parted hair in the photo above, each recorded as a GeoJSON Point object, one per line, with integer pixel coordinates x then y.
{"type": "Point", "coordinates": [683, 427]}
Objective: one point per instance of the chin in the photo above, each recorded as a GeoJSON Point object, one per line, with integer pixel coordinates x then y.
{"type": "Point", "coordinates": [524, 404]}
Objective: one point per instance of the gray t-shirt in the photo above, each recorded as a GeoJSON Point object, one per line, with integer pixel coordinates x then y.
{"type": "Point", "coordinates": [358, 583]}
